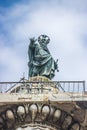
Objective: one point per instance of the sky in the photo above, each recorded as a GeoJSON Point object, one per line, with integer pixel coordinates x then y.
{"type": "Point", "coordinates": [64, 21]}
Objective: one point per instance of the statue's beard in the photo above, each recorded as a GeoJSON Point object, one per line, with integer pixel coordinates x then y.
{"type": "Point", "coordinates": [44, 46]}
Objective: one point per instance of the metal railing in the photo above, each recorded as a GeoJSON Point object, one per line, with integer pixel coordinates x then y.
{"type": "Point", "coordinates": [62, 86]}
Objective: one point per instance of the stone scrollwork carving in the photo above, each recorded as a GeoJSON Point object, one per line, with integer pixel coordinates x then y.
{"type": "Point", "coordinates": [39, 117]}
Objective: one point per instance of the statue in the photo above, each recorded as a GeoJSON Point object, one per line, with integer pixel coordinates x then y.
{"type": "Point", "coordinates": [41, 62]}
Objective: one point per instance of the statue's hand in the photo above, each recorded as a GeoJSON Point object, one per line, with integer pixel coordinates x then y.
{"type": "Point", "coordinates": [56, 65]}
{"type": "Point", "coordinates": [32, 40]}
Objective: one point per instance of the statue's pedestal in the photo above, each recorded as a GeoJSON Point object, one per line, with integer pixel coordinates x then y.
{"type": "Point", "coordinates": [42, 84]}
{"type": "Point", "coordinates": [39, 79]}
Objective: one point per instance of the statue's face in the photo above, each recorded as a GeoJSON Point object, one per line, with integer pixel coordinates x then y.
{"type": "Point", "coordinates": [43, 39]}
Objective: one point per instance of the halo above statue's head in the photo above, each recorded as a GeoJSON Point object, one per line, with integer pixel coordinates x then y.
{"type": "Point", "coordinates": [43, 39]}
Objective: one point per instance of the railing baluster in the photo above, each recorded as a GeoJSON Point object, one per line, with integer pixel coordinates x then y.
{"type": "Point", "coordinates": [78, 86]}
{"type": "Point", "coordinates": [84, 86]}
{"type": "Point", "coordinates": [73, 87]}
{"type": "Point", "coordinates": [64, 85]}
{"type": "Point", "coordinates": [69, 87]}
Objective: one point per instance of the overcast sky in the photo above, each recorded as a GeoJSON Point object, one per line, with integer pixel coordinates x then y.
{"type": "Point", "coordinates": [64, 21]}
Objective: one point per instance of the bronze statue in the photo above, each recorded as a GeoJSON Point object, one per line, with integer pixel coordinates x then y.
{"type": "Point", "coordinates": [41, 62]}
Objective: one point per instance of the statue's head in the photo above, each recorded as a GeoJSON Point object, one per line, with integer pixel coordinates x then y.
{"type": "Point", "coordinates": [43, 39]}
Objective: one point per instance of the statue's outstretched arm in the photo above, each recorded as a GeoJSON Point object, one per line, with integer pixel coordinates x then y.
{"type": "Point", "coordinates": [31, 50]}
{"type": "Point", "coordinates": [31, 46]}
{"type": "Point", "coordinates": [32, 41]}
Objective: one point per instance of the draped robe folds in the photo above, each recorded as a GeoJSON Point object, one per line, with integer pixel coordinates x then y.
{"type": "Point", "coordinates": [40, 61]}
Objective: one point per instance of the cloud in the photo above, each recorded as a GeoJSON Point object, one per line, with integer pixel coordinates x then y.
{"type": "Point", "coordinates": [11, 63]}
{"type": "Point", "coordinates": [65, 24]}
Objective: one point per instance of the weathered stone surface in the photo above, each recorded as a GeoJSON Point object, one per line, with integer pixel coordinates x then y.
{"type": "Point", "coordinates": [75, 126]}
{"type": "Point", "coordinates": [79, 115]}
{"type": "Point", "coordinates": [55, 110]}
{"type": "Point", "coordinates": [67, 122]}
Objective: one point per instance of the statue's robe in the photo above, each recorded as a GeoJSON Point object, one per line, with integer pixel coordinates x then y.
{"type": "Point", "coordinates": [40, 61]}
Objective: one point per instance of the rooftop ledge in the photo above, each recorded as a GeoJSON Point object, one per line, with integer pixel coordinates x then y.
{"type": "Point", "coordinates": [42, 89]}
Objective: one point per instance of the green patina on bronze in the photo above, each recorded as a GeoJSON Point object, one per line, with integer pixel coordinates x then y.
{"type": "Point", "coordinates": [41, 62]}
